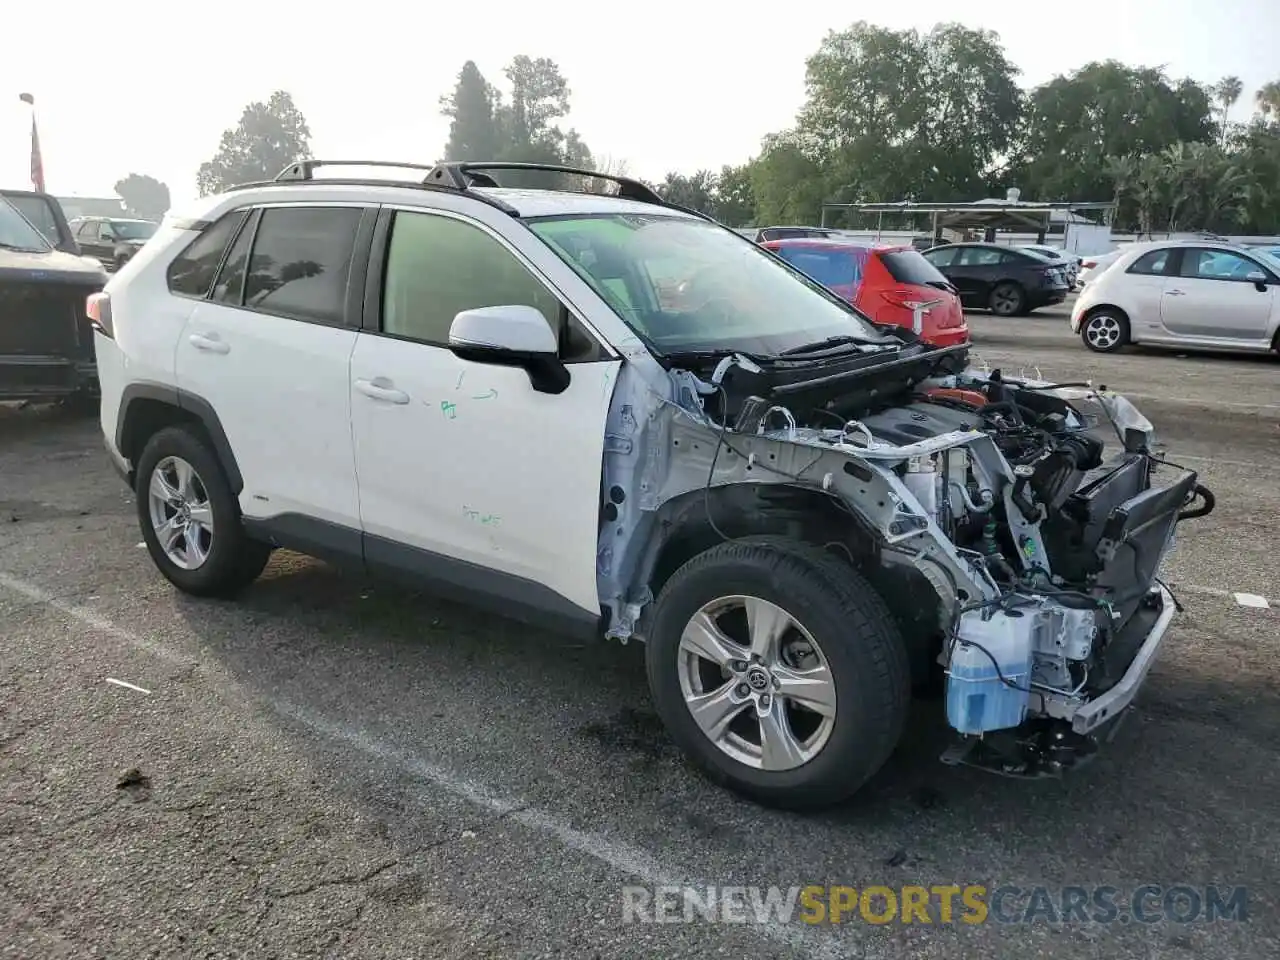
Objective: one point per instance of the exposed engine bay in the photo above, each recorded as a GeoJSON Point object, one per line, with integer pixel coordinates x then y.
{"type": "Point", "coordinates": [1040, 526]}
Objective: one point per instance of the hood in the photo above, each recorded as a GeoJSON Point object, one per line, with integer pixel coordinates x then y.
{"type": "Point", "coordinates": [52, 266]}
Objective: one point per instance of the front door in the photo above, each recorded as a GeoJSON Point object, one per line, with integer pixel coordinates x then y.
{"type": "Point", "coordinates": [468, 475]}
{"type": "Point", "coordinates": [1212, 298]}
{"type": "Point", "coordinates": [270, 350]}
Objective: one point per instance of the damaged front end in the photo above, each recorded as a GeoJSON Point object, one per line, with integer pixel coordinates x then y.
{"type": "Point", "coordinates": [1038, 526]}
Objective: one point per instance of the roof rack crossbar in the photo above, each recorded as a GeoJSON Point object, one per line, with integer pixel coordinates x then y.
{"type": "Point", "coordinates": [305, 169]}
{"type": "Point", "coordinates": [462, 175]}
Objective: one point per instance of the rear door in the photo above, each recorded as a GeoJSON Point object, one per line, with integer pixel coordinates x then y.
{"type": "Point", "coordinates": [1212, 297]}
{"type": "Point", "coordinates": [270, 350]}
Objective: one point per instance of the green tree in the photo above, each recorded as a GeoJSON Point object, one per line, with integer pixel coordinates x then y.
{"type": "Point", "coordinates": [696, 192]}
{"type": "Point", "coordinates": [1076, 123]}
{"type": "Point", "coordinates": [787, 181]}
{"type": "Point", "coordinates": [519, 127]}
{"type": "Point", "coordinates": [473, 128]}
{"type": "Point", "coordinates": [898, 115]}
{"type": "Point", "coordinates": [734, 202]}
{"type": "Point", "coordinates": [268, 138]}
{"type": "Point", "coordinates": [144, 197]}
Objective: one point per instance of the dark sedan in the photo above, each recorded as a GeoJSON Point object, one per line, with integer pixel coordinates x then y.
{"type": "Point", "coordinates": [1007, 281]}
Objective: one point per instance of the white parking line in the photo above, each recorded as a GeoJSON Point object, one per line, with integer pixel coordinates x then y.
{"type": "Point", "coordinates": [1257, 601]}
{"type": "Point", "coordinates": [617, 854]}
{"type": "Point", "coordinates": [126, 685]}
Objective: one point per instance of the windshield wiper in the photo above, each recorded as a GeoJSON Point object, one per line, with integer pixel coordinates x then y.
{"type": "Point", "coordinates": [829, 342]}
{"type": "Point", "coordinates": [19, 247]}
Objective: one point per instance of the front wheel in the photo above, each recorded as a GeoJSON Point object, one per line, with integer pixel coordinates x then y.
{"type": "Point", "coordinates": [779, 671]}
{"type": "Point", "coordinates": [1105, 331]}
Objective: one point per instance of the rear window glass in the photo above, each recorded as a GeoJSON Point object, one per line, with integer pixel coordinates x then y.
{"type": "Point", "coordinates": [831, 268]}
{"type": "Point", "coordinates": [908, 266]}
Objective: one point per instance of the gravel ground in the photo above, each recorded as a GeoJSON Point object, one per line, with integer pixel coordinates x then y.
{"type": "Point", "coordinates": [331, 767]}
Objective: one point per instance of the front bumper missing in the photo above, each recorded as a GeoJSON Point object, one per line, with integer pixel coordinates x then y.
{"type": "Point", "coordinates": [1106, 706]}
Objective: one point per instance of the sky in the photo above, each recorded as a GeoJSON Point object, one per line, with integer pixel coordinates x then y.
{"type": "Point", "coordinates": [148, 87]}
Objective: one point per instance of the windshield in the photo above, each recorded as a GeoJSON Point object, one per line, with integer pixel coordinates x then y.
{"type": "Point", "coordinates": [16, 233]}
{"type": "Point", "coordinates": [39, 214]}
{"type": "Point", "coordinates": [689, 285]}
{"type": "Point", "coordinates": [133, 229]}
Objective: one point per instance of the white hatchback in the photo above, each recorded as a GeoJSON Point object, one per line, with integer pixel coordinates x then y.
{"type": "Point", "coordinates": [1198, 293]}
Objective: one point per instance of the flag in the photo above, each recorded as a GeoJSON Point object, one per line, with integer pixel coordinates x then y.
{"type": "Point", "coordinates": [37, 165]}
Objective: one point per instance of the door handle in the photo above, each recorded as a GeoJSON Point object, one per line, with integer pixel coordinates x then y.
{"type": "Point", "coordinates": [208, 342]}
{"type": "Point", "coordinates": [1175, 293]}
{"type": "Point", "coordinates": [380, 388]}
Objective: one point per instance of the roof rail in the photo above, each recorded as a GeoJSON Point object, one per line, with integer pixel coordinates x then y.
{"type": "Point", "coordinates": [462, 175]}
{"type": "Point", "coordinates": [305, 169]}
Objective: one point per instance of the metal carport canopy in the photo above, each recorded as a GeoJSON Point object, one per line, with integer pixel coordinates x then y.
{"type": "Point", "coordinates": [979, 214]}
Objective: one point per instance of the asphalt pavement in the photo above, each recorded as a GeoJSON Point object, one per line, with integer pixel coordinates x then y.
{"type": "Point", "coordinates": [335, 767]}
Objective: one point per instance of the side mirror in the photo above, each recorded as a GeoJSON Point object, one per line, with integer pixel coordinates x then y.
{"type": "Point", "coordinates": [1258, 279]}
{"type": "Point", "coordinates": [511, 336]}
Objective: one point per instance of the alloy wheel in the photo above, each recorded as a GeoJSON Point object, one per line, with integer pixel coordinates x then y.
{"type": "Point", "coordinates": [1102, 332]}
{"type": "Point", "coordinates": [756, 683]}
{"type": "Point", "coordinates": [181, 514]}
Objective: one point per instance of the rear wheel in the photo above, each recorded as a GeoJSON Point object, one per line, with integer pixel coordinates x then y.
{"type": "Point", "coordinates": [1105, 330]}
{"type": "Point", "coordinates": [190, 519]}
{"type": "Point", "coordinates": [1008, 300]}
{"type": "Point", "coordinates": [779, 671]}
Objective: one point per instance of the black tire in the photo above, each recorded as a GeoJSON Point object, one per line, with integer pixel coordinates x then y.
{"type": "Point", "coordinates": [1108, 319]}
{"type": "Point", "coordinates": [857, 635]}
{"type": "Point", "coordinates": [234, 561]}
{"type": "Point", "coordinates": [1008, 299]}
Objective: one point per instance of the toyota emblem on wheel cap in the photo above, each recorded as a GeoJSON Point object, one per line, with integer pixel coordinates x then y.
{"type": "Point", "coordinates": [758, 679]}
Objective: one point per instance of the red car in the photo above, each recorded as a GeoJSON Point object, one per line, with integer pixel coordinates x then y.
{"type": "Point", "coordinates": [890, 284]}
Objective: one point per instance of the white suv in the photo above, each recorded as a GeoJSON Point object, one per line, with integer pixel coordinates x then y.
{"type": "Point", "coordinates": [610, 415]}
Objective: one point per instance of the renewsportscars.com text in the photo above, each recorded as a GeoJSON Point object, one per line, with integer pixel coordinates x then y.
{"type": "Point", "coordinates": [971, 904]}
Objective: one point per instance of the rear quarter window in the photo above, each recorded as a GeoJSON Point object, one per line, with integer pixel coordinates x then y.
{"type": "Point", "coordinates": [191, 273]}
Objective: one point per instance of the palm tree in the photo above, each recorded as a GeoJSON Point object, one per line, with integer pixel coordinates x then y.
{"type": "Point", "coordinates": [1227, 92]}
{"type": "Point", "coordinates": [1268, 100]}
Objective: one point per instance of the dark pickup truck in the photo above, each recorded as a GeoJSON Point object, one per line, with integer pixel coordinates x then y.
{"type": "Point", "coordinates": [46, 342]}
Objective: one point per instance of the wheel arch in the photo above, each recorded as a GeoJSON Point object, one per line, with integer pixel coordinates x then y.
{"type": "Point", "coordinates": [146, 408]}
{"type": "Point", "coordinates": [696, 521]}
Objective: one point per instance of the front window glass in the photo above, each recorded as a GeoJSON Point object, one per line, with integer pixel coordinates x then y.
{"type": "Point", "coordinates": [688, 285]}
{"type": "Point", "coordinates": [134, 229]}
{"type": "Point", "coordinates": [17, 233]}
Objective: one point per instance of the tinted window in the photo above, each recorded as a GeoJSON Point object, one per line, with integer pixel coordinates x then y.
{"type": "Point", "coordinates": [831, 268]}
{"type": "Point", "coordinates": [191, 273]}
{"type": "Point", "coordinates": [1155, 262]}
{"type": "Point", "coordinates": [941, 258]}
{"type": "Point", "coordinates": [88, 231]}
{"type": "Point", "coordinates": [301, 258]}
{"type": "Point", "coordinates": [438, 266]}
{"type": "Point", "coordinates": [106, 231]}
{"type": "Point", "coordinates": [230, 286]}
{"type": "Point", "coordinates": [984, 256]}
{"type": "Point", "coordinates": [907, 266]}
{"type": "Point", "coordinates": [1217, 265]}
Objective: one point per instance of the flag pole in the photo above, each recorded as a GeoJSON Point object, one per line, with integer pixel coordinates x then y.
{"type": "Point", "coordinates": [37, 161]}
